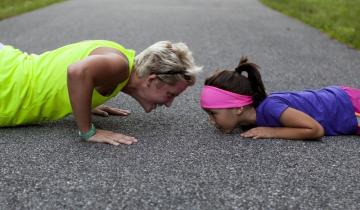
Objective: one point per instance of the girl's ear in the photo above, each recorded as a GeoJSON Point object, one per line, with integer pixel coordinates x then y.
{"type": "Point", "coordinates": [239, 110]}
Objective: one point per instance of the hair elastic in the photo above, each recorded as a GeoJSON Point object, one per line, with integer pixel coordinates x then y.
{"type": "Point", "coordinates": [216, 98]}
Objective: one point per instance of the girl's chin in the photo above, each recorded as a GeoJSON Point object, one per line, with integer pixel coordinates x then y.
{"type": "Point", "coordinates": [226, 130]}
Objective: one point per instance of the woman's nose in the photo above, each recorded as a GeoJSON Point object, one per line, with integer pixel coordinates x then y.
{"type": "Point", "coordinates": [169, 102]}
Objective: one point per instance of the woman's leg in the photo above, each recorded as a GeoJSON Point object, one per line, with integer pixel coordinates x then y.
{"type": "Point", "coordinates": [1, 45]}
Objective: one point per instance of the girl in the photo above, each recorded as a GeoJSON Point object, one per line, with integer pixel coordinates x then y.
{"type": "Point", "coordinates": [231, 99]}
{"type": "Point", "coordinates": [81, 76]}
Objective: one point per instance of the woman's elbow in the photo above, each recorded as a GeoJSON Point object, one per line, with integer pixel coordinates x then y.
{"type": "Point", "coordinates": [75, 74]}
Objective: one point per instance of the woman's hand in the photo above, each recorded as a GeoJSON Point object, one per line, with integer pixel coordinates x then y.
{"type": "Point", "coordinates": [104, 136]}
{"type": "Point", "coordinates": [105, 111]}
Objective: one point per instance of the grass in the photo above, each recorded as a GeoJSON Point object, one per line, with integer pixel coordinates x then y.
{"type": "Point", "coordinates": [10, 8]}
{"type": "Point", "coordinates": [337, 18]}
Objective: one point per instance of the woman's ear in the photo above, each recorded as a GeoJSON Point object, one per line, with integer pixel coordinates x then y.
{"type": "Point", "coordinates": [150, 79]}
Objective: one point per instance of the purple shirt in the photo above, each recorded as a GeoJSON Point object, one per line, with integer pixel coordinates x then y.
{"type": "Point", "coordinates": [330, 106]}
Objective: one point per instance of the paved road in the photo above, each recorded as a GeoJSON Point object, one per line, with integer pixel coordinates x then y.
{"type": "Point", "coordinates": [181, 162]}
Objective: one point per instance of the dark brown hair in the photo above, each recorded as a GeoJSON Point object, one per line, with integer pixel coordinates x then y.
{"type": "Point", "coordinates": [235, 81]}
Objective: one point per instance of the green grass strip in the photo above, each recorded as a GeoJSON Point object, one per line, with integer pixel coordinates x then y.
{"type": "Point", "coordinates": [10, 8]}
{"type": "Point", "coordinates": [340, 19]}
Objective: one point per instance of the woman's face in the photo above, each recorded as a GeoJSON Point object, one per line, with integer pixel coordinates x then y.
{"type": "Point", "coordinates": [157, 93]}
{"type": "Point", "coordinates": [224, 119]}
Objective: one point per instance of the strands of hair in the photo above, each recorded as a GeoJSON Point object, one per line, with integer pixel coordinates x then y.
{"type": "Point", "coordinates": [171, 62]}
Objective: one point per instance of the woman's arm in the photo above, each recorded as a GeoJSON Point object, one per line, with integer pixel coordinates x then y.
{"type": "Point", "coordinates": [102, 71]}
{"type": "Point", "coordinates": [105, 111]}
{"type": "Point", "coordinates": [297, 125]}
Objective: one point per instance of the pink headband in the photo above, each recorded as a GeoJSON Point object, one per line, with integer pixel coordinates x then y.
{"type": "Point", "coordinates": [216, 98]}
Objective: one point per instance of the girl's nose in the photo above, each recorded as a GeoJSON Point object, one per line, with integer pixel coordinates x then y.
{"type": "Point", "coordinates": [212, 121]}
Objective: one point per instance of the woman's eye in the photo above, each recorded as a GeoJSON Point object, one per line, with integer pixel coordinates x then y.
{"type": "Point", "coordinates": [170, 95]}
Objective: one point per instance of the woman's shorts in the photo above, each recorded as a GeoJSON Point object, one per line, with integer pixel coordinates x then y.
{"type": "Point", "coordinates": [354, 95]}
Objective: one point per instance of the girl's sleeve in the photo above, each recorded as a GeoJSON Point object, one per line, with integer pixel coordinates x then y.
{"type": "Point", "coordinates": [269, 112]}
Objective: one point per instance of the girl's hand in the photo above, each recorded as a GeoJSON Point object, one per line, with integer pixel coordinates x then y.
{"type": "Point", "coordinates": [104, 136]}
{"type": "Point", "coordinates": [259, 133]}
{"type": "Point", "coordinates": [105, 111]}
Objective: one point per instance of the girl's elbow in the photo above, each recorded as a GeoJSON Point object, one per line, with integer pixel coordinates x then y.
{"type": "Point", "coordinates": [318, 132]}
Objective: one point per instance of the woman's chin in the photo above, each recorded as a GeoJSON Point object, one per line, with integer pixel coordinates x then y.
{"type": "Point", "coordinates": [148, 109]}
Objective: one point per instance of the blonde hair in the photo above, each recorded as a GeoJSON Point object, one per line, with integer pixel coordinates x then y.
{"type": "Point", "coordinates": [171, 62]}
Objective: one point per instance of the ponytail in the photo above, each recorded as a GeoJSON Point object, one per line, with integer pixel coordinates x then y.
{"type": "Point", "coordinates": [236, 82]}
{"type": "Point", "coordinates": [254, 77]}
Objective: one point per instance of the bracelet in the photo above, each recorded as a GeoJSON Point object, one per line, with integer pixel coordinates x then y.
{"type": "Point", "coordinates": [87, 135]}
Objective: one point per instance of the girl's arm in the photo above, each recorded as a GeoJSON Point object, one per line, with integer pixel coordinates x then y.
{"type": "Point", "coordinates": [95, 71]}
{"type": "Point", "coordinates": [297, 125]}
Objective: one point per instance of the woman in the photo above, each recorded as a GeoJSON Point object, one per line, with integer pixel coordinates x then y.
{"type": "Point", "coordinates": [79, 77]}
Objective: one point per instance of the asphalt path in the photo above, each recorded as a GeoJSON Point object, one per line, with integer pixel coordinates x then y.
{"type": "Point", "coordinates": [181, 161]}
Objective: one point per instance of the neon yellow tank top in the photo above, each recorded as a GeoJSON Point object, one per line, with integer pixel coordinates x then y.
{"type": "Point", "coordinates": [33, 88]}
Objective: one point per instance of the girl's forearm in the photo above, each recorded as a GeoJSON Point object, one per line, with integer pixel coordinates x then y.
{"type": "Point", "coordinates": [284, 133]}
{"type": "Point", "coordinates": [296, 133]}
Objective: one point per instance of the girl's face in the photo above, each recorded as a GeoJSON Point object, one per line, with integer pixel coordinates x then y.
{"type": "Point", "coordinates": [224, 119]}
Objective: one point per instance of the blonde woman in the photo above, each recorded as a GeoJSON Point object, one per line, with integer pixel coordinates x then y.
{"type": "Point", "coordinates": [79, 77]}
